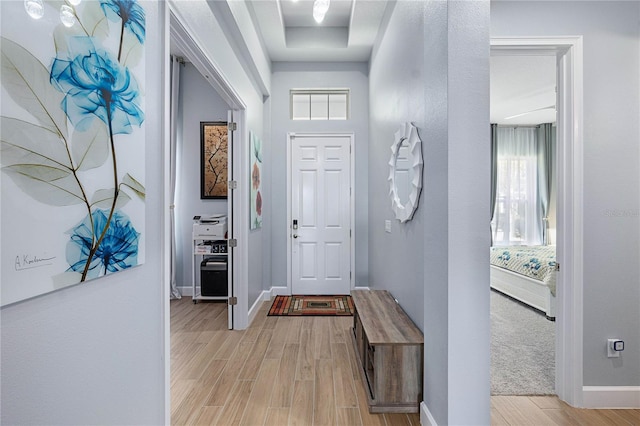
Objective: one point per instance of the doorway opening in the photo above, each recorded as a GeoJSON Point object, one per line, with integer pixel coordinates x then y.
{"type": "Point", "coordinates": [569, 235]}
{"type": "Point", "coordinates": [523, 225]}
{"type": "Point", "coordinates": [236, 311]}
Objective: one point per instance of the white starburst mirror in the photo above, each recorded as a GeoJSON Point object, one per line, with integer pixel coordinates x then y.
{"type": "Point", "coordinates": [405, 172]}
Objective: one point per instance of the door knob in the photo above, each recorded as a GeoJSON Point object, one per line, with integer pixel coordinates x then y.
{"type": "Point", "coordinates": [295, 235]}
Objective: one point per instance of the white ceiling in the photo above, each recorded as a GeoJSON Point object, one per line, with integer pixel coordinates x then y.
{"type": "Point", "coordinates": [522, 86]}
{"type": "Point", "coordinates": [347, 32]}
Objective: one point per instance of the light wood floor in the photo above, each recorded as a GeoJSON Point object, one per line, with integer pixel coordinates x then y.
{"type": "Point", "coordinates": [301, 371]}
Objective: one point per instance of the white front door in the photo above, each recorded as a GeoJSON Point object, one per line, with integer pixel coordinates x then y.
{"type": "Point", "coordinates": [320, 214]}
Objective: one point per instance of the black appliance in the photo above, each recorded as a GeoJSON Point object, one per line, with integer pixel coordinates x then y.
{"type": "Point", "coordinates": [213, 276]}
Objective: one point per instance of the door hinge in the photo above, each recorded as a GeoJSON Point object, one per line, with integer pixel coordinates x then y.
{"type": "Point", "coordinates": [233, 300]}
{"type": "Point", "coordinates": [232, 126]}
{"type": "Point", "coordinates": [233, 184]}
{"type": "Point", "coordinates": [557, 267]}
{"type": "Point", "coordinates": [233, 242]}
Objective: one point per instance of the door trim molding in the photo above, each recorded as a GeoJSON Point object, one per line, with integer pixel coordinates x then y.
{"type": "Point", "coordinates": [174, 28]}
{"type": "Point", "coordinates": [570, 122]}
{"type": "Point", "coordinates": [180, 34]}
{"type": "Point", "coordinates": [352, 206]}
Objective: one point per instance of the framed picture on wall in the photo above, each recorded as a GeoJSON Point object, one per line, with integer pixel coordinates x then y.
{"type": "Point", "coordinates": [214, 151]}
{"type": "Point", "coordinates": [256, 182]}
{"type": "Point", "coordinates": [72, 138]}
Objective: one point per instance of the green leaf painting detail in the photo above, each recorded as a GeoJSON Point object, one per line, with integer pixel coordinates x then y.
{"type": "Point", "coordinates": [27, 82]}
{"type": "Point", "coordinates": [103, 199]}
{"type": "Point", "coordinates": [134, 185]}
{"type": "Point", "coordinates": [89, 150]}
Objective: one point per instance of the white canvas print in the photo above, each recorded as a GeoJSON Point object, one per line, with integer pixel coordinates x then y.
{"type": "Point", "coordinates": [72, 143]}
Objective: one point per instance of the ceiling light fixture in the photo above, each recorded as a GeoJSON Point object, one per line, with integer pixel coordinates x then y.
{"type": "Point", "coordinates": [75, 2]}
{"type": "Point", "coordinates": [320, 8]}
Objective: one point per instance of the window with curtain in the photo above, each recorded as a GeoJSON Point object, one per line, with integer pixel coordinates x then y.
{"type": "Point", "coordinates": [517, 219]}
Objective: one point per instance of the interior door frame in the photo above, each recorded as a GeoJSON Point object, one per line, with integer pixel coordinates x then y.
{"type": "Point", "coordinates": [570, 125]}
{"type": "Point", "coordinates": [196, 55]}
{"type": "Point", "coordinates": [176, 30]}
{"type": "Point", "coordinates": [352, 252]}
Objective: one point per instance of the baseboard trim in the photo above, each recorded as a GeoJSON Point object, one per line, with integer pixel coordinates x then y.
{"type": "Point", "coordinates": [265, 295]}
{"type": "Point", "coordinates": [278, 291]}
{"type": "Point", "coordinates": [284, 291]}
{"type": "Point", "coordinates": [611, 397]}
{"type": "Point", "coordinates": [426, 419]}
{"type": "Point", "coordinates": [185, 291]}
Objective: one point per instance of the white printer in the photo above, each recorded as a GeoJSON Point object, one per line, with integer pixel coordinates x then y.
{"type": "Point", "coordinates": [210, 226]}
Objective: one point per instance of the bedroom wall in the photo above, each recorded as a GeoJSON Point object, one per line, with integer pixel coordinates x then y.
{"type": "Point", "coordinates": [93, 353]}
{"type": "Point", "coordinates": [198, 102]}
{"type": "Point", "coordinates": [205, 26]}
{"type": "Point", "coordinates": [611, 163]}
{"type": "Point", "coordinates": [287, 76]}
{"type": "Point", "coordinates": [420, 73]}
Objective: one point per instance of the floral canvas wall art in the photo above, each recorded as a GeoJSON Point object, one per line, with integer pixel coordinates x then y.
{"type": "Point", "coordinates": [72, 143]}
{"type": "Point", "coordinates": [256, 183]}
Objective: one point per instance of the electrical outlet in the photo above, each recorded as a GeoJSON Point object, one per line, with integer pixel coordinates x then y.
{"type": "Point", "coordinates": [614, 347]}
{"type": "Point", "coordinates": [387, 226]}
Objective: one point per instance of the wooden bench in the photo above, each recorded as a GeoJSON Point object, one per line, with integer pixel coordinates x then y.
{"type": "Point", "coordinates": [389, 348]}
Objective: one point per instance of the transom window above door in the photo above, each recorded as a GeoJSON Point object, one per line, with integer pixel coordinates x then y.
{"type": "Point", "coordinates": [319, 104]}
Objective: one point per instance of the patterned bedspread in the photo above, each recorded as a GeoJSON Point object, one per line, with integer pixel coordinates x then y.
{"type": "Point", "coordinates": [537, 262]}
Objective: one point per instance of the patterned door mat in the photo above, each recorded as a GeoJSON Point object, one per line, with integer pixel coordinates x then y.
{"type": "Point", "coordinates": [312, 306]}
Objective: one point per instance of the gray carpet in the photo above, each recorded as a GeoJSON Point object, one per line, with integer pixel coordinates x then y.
{"type": "Point", "coordinates": [522, 349]}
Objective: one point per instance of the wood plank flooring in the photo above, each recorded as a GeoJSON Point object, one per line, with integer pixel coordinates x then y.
{"type": "Point", "coordinates": [302, 371]}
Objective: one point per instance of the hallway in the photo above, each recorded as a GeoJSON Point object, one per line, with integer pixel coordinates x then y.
{"type": "Point", "coordinates": [301, 371]}
{"type": "Point", "coordinates": [278, 363]}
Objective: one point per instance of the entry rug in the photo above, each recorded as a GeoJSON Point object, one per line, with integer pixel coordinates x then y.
{"type": "Point", "coordinates": [312, 306]}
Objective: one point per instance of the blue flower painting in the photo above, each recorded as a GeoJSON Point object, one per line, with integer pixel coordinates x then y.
{"type": "Point", "coordinates": [73, 146]}
{"type": "Point", "coordinates": [96, 85]}
{"type": "Point", "coordinates": [118, 249]}
{"type": "Point", "coordinates": [129, 12]}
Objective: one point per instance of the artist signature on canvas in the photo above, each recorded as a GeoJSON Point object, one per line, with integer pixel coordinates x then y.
{"type": "Point", "coordinates": [30, 261]}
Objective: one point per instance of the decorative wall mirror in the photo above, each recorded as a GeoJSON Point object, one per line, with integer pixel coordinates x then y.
{"type": "Point", "coordinates": [405, 172]}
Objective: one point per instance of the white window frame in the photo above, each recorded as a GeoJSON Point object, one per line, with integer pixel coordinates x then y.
{"type": "Point", "coordinates": [327, 92]}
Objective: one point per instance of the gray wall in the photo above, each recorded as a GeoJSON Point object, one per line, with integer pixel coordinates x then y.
{"type": "Point", "coordinates": [288, 76]}
{"type": "Point", "coordinates": [198, 102]}
{"type": "Point", "coordinates": [396, 259]}
{"type": "Point", "coordinates": [420, 72]}
{"type": "Point", "coordinates": [611, 168]}
{"type": "Point", "coordinates": [93, 353]}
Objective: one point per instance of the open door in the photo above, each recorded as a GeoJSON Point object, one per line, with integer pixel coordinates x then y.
{"type": "Point", "coordinates": [232, 241]}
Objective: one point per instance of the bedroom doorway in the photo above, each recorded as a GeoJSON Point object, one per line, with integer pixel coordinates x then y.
{"type": "Point", "coordinates": [522, 271]}
{"type": "Point", "coordinates": [567, 52]}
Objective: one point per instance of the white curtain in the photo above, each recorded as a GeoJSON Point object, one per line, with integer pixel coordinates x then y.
{"type": "Point", "coordinates": [175, 91]}
{"type": "Point", "coordinates": [517, 218]}
{"type": "Point", "coordinates": [546, 153]}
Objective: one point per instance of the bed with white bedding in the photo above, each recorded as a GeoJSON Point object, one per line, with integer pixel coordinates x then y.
{"type": "Point", "coordinates": [526, 273]}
